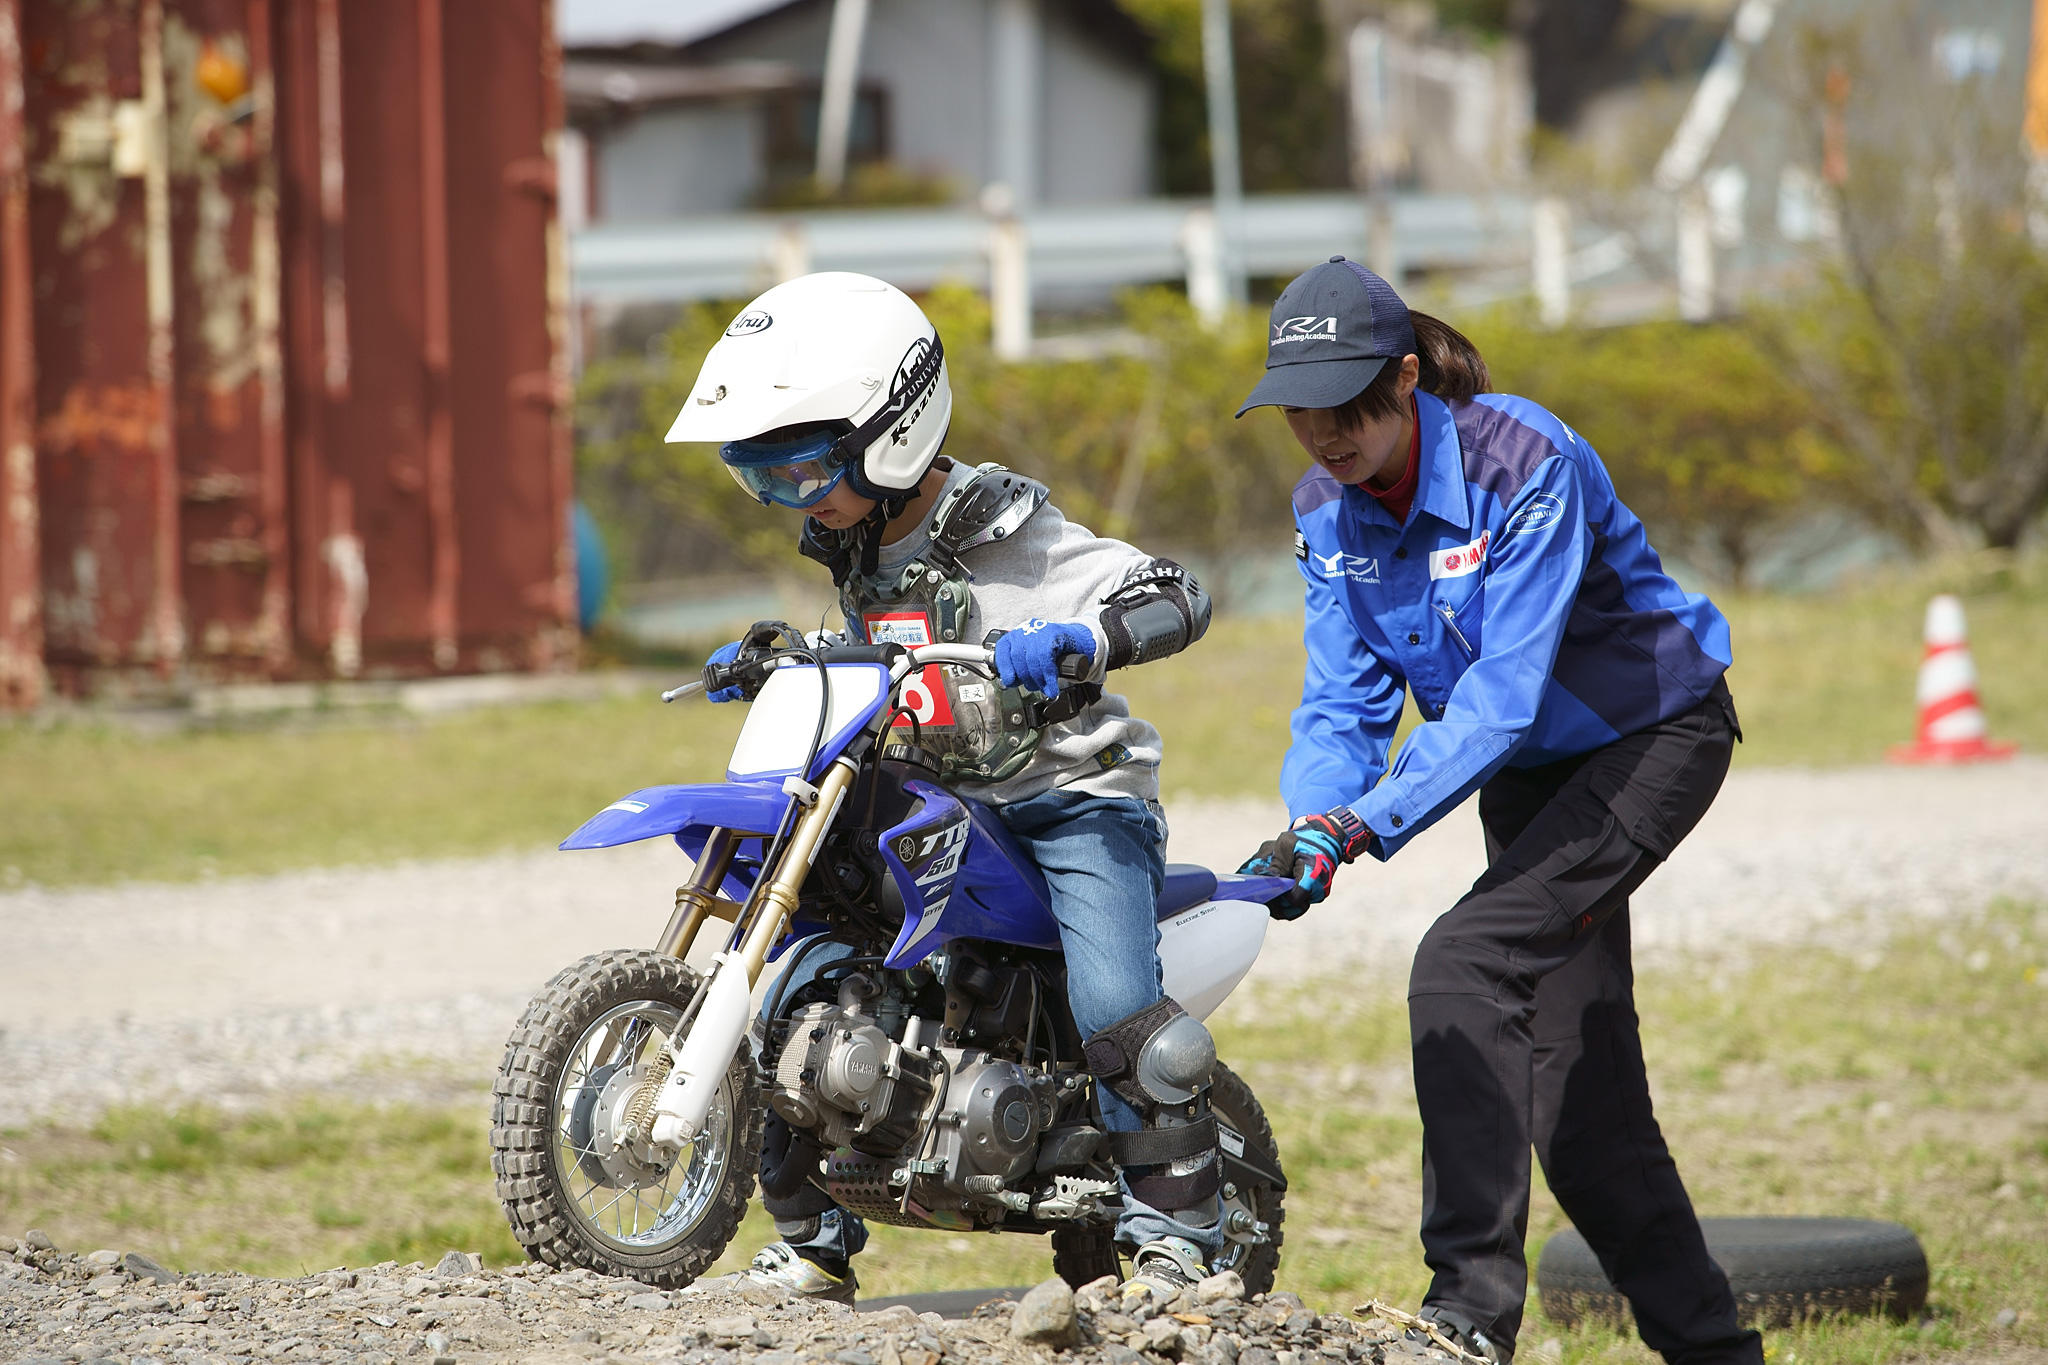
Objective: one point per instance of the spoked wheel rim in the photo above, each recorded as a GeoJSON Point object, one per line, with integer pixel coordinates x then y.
{"type": "Point", "coordinates": [629, 1197]}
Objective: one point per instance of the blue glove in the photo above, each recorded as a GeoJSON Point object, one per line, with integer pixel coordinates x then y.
{"type": "Point", "coordinates": [1030, 655]}
{"type": "Point", "coordinates": [724, 654]}
{"type": "Point", "coordinates": [1308, 855]}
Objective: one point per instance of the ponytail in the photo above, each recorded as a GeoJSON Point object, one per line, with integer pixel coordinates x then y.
{"type": "Point", "coordinates": [1451, 366]}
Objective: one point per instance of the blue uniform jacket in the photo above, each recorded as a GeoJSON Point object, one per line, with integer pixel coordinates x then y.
{"type": "Point", "coordinates": [1520, 603]}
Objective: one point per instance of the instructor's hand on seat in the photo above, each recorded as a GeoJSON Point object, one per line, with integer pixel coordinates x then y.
{"type": "Point", "coordinates": [1308, 855]}
{"type": "Point", "coordinates": [1030, 655]}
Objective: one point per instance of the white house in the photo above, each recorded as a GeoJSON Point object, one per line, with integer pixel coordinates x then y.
{"type": "Point", "coordinates": [682, 107]}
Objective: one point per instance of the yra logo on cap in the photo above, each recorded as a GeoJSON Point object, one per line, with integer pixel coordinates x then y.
{"type": "Point", "coordinates": [1304, 329]}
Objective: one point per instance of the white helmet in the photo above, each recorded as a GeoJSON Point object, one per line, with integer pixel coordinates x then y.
{"type": "Point", "coordinates": [822, 376]}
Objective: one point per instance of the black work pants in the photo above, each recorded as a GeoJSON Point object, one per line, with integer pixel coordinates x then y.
{"type": "Point", "coordinates": [1522, 1011]}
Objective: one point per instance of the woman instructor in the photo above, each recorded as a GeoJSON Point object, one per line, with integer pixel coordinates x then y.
{"type": "Point", "coordinates": [1469, 547]}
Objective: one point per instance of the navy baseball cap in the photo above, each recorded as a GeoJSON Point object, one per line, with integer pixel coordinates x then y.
{"type": "Point", "coordinates": [1334, 327]}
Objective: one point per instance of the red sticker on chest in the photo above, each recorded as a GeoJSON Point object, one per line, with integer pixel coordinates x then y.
{"type": "Point", "coordinates": [924, 695]}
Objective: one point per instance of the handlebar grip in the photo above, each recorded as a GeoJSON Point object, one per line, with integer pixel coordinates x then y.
{"type": "Point", "coordinates": [860, 654]}
{"type": "Point", "coordinates": [718, 677]}
{"type": "Point", "coordinates": [1075, 667]}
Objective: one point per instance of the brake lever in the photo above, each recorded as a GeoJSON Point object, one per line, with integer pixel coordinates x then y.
{"type": "Point", "coordinates": [688, 689]}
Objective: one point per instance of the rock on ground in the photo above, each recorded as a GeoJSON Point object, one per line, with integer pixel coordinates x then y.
{"type": "Point", "coordinates": [58, 1306]}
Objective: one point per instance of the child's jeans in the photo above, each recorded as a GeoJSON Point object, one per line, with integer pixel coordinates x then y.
{"type": "Point", "coordinates": [1103, 858]}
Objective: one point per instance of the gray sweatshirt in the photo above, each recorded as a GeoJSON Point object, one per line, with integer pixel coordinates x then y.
{"type": "Point", "coordinates": [1053, 570]}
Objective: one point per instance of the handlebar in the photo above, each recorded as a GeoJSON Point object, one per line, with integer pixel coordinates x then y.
{"type": "Point", "coordinates": [901, 659]}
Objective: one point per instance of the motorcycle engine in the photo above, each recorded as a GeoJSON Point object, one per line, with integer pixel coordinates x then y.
{"type": "Point", "coordinates": [920, 1128]}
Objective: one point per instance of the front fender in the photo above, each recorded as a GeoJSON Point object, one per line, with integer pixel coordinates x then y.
{"type": "Point", "coordinates": [745, 807]}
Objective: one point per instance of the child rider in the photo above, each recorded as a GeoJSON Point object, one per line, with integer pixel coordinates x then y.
{"type": "Point", "coordinates": [829, 394]}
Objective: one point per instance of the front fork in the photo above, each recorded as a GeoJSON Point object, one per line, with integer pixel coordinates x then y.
{"type": "Point", "coordinates": [716, 1021]}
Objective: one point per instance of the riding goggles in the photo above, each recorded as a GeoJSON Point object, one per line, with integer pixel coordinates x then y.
{"type": "Point", "coordinates": [797, 472]}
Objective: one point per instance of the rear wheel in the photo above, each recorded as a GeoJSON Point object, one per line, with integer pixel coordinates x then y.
{"type": "Point", "coordinates": [1253, 1184]}
{"type": "Point", "coordinates": [1252, 1209]}
{"type": "Point", "coordinates": [1083, 1255]}
{"type": "Point", "coordinates": [574, 1193]}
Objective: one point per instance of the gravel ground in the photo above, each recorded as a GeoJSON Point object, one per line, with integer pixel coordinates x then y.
{"type": "Point", "coordinates": [59, 1308]}
{"type": "Point", "coordinates": [238, 989]}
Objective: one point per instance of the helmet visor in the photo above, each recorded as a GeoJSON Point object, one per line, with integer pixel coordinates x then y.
{"type": "Point", "coordinates": [796, 471]}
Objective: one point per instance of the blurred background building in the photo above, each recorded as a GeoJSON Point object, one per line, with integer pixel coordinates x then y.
{"type": "Point", "coordinates": [715, 106]}
{"type": "Point", "coordinates": [295, 294]}
{"type": "Point", "coordinates": [283, 391]}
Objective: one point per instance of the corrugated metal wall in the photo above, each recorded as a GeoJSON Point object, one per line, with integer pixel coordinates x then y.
{"type": "Point", "coordinates": [283, 388]}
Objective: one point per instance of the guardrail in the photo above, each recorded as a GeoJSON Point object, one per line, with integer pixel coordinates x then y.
{"type": "Point", "coordinates": [1480, 248]}
{"type": "Point", "coordinates": [1074, 249]}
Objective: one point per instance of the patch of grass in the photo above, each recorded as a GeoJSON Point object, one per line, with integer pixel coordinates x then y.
{"type": "Point", "coordinates": [94, 804]}
{"type": "Point", "coordinates": [275, 1192]}
{"type": "Point", "coordinates": [1819, 680]}
{"type": "Point", "coordinates": [1900, 1083]}
{"type": "Point", "coordinates": [1941, 1123]}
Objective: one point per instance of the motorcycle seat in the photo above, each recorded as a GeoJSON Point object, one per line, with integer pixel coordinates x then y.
{"type": "Point", "coordinates": [1187, 884]}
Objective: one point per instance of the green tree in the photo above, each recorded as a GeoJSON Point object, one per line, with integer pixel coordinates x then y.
{"type": "Point", "coordinates": [665, 508]}
{"type": "Point", "coordinates": [1927, 336]}
{"type": "Point", "coordinates": [1709, 441]}
{"type": "Point", "coordinates": [1136, 442]}
{"type": "Point", "coordinates": [1290, 99]}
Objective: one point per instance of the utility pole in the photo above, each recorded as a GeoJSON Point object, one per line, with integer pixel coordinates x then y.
{"type": "Point", "coordinates": [1221, 79]}
{"type": "Point", "coordinates": [835, 100]}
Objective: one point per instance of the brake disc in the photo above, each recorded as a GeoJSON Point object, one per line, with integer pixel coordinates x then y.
{"type": "Point", "coordinates": [595, 1121]}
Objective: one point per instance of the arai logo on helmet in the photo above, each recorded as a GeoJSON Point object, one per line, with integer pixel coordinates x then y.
{"type": "Point", "coordinates": [750, 322]}
{"type": "Point", "coordinates": [913, 386]}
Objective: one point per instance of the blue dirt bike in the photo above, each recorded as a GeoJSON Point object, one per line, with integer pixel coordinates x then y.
{"type": "Point", "coordinates": [936, 1074]}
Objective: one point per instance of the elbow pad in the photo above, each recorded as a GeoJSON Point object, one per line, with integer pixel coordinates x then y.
{"type": "Point", "coordinates": [1159, 609]}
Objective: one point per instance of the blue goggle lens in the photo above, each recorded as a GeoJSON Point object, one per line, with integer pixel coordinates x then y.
{"type": "Point", "coordinates": [796, 473]}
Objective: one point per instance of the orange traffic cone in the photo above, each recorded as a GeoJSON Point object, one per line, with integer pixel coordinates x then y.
{"type": "Point", "coordinates": [1951, 722]}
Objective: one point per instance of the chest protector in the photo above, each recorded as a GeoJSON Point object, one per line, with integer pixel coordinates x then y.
{"type": "Point", "coordinates": [968, 727]}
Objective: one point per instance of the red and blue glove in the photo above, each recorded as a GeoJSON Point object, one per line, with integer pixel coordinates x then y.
{"type": "Point", "coordinates": [1030, 655]}
{"type": "Point", "coordinates": [1308, 855]}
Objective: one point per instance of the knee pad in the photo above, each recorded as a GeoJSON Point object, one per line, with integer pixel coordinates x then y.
{"type": "Point", "coordinates": [1159, 1055]}
{"type": "Point", "coordinates": [1159, 1059]}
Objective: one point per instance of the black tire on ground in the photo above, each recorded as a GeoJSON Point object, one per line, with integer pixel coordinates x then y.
{"type": "Point", "coordinates": [541, 1147]}
{"type": "Point", "coordinates": [1781, 1269]}
{"type": "Point", "coordinates": [1083, 1255]}
{"type": "Point", "coordinates": [1239, 1111]}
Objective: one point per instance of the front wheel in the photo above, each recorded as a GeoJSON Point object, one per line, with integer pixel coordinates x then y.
{"type": "Point", "coordinates": [574, 1194]}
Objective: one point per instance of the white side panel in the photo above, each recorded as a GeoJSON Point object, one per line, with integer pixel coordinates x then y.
{"type": "Point", "coordinates": [1206, 950]}
{"type": "Point", "coordinates": [777, 735]}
